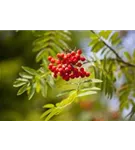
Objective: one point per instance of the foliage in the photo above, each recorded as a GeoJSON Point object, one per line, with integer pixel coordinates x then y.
{"type": "Point", "coordinates": [109, 69]}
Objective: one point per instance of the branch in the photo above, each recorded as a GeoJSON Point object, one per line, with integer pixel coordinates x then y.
{"type": "Point", "coordinates": [113, 50]}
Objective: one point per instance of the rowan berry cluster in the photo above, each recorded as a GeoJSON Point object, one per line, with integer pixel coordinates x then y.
{"type": "Point", "coordinates": [68, 65]}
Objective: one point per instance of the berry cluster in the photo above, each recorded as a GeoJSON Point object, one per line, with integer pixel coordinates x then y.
{"type": "Point", "coordinates": [68, 66]}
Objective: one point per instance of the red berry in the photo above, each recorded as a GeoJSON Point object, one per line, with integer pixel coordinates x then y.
{"type": "Point", "coordinates": [53, 68]}
{"type": "Point", "coordinates": [77, 56]}
{"type": "Point", "coordinates": [60, 69]}
{"type": "Point", "coordinates": [72, 76]}
{"type": "Point", "coordinates": [68, 55]}
{"type": "Point", "coordinates": [58, 62]}
{"type": "Point", "coordinates": [66, 78]}
{"type": "Point", "coordinates": [50, 66]}
{"type": "Point", "coordinates": [79, 64]}
{"type": "Point", "coordinates": [82, 75]}
{"type": "Point", "coordinates": [61, 73]}
{"type": "Point", "coordinates": [75, 61]}
{"type": "Point", "coordinates": [57, 70]}
{"type": "Point", "coordinates": [79, 51]}
{"type": "Point", "coordinates": [77, 75]}
{"type": "Point", "coordinates": [71, 60]}
{"type": "Point", "coordinates": [59, 66]}
{"type": "Point", "coordinates": [59, 55]}
{"type": "Point", "coordinates": [82, 59]}
{"type": "Point", "coordinates": [73, 53]}
{"type": "Point", "coordinates": [82, 69]}
{"type": "Point", "coordinates": [66, 69]}
{"type": "Point", "coordinates": [49, 58]}
{"type": "Point", "coordinates": [87, 74]}
{"type": "Point", "coordinates": [55, 75]}
{"type": "Point", "coordinates": [65, 57]}
{"type": "Point", "coordinates": [52, 60]}
{"type": "Point", "coordinates": [84, 72]}
{"type": "Point", "coordinates": [62, 55]}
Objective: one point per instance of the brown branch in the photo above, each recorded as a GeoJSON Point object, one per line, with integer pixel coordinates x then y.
{"type": "Point", "coordinates": [118, 58]}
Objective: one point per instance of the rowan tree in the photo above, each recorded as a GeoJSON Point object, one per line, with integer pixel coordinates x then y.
{"type": "Point", "coordinates": [74, 75]}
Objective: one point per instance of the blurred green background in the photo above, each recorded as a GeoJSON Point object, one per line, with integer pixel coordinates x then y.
{"type": "Point", "coordinates": [15, 51]}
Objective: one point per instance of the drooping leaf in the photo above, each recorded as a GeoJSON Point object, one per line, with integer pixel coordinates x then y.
{"type": "Point", "coordinates": [43, 87]}
{"type": "Point", "coordinates": [18, 83]}
{"type": "Point", "coordinates": [22, 89]}
{"type": "Point", "coordinates": [32, 91]}
{"type": "Point", "coordinates": [40, 55]}
{"type": "Point", "coordinates": [25, 75]}
{"type": "Point", "coordinates": [29, 70]}
{"type": "Point", "coordinates": [50, 81]}
{"type": "Point", "coordinates": [52, 113]}
{"type": "Point", "coordinates": [45, 113]}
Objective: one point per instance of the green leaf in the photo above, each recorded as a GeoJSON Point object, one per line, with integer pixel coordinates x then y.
{"type": "Point", "coordinates": [43, 88]}
{"type": "Point", "coordinates": [40, 55]}
{"type": "Point", "coordinates": [114, 36]}
{"type": "Point", "coordinates": [29, 70]}
{"type": "Point", "coordinates": [116, 42]}
{"type": "Point", "coordinates": [22, 89]}
{"type": "Point", "coordinates": [50, 81]}
{"type": "Point", "coordinates": [22, 79]}
{"type": "Point", "coordinates": [104, 50]}
{"type": "Point", "coordinates": [127, 55]}
{"type": "Point", "coordinates": [97, 59]}
{"type": "Point", "coordinates": [105, 63]}
{"type": "Point", "coordinates": [91, 89]}
{"type": "Point", "coordinates": [98, 46]}
{"type": "Point", "coordinates": [105, 33]}
{"type": "Point", "coordinates": [25, 75]}
{"type": "Point", "coordinates": [18, 83]}
{"type": "Point", "coordinates": [39, 48]}
{"type": "Point", "coordinates": [32, 91]}
{"type": "Point", "coordinates": [86, 93]}
{"type": "Point", "coordinates": [93, 36]}
{"type": "Point", "coordinates": [64, 92]}
{"type": "Point", "coordinates": [48, 106]}
{"type": "Point", "coordinates": [38, 86]}
{"type": "Point", "coordinates": [96, 81]}
{"type": "Point", "coordinates": [53, 112]}
{"type": "Point", "coordinates": [124, 104]}
{"type": "Point", "coordinates": [93, 42]}
{"type": "Point", "coordinates": [68, 100]}
{"type": "Point", "coordinates": [56, 47]}
{"type": "Point", "coordinates": [45, 113]}
{"type": "Point", "coordinates": [62, 35]}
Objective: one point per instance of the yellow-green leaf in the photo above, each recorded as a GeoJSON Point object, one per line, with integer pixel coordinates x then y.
{"type": "Point", "coordinates": [86, 93]}
{"type": "Point", "coordinates": [45, 113]}
{"type": "Point", "coordinates": [48, 106]}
